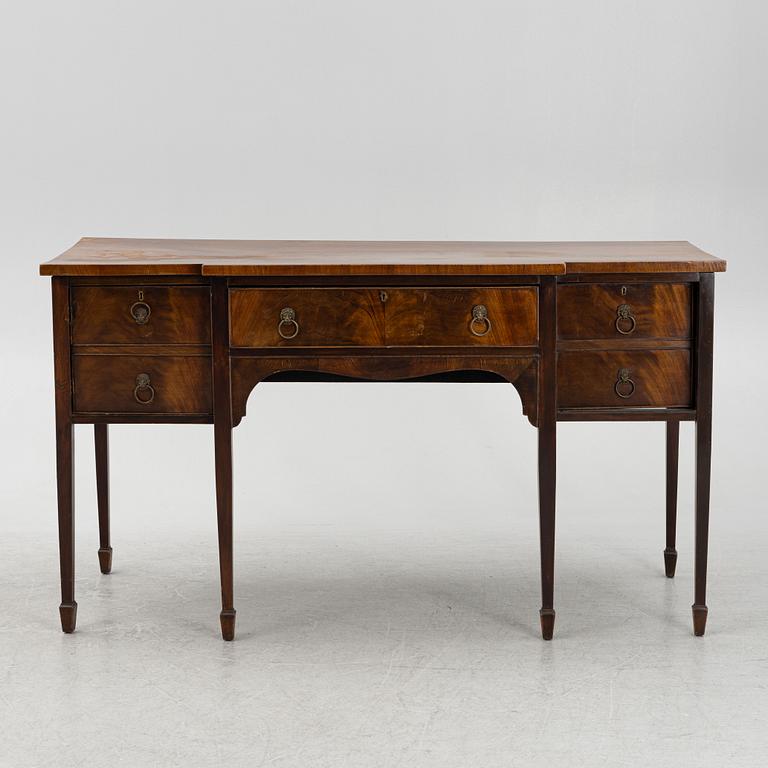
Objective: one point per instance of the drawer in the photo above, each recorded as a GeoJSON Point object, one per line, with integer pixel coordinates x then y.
{"type": "Point", "coordinates": [155, 314]}
{"type": "Point", "coordinates": [308, 317]}
{"type": "Point", "coordinates": [305, 317]}
{"type": "Point", "coordinates": [616, 311]}
{"type": "Point", "coordinates": [142, 384]}
{"type": "Point", "coordinates": [504, 317]}
{"type": "Point", "coordinates": [660, 378]}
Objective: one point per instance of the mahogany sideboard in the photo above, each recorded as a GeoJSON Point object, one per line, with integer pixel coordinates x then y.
{"type": "Point", "coordinates": [181, 331]}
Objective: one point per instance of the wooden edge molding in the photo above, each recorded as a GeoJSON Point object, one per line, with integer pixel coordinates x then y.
{"type": "Point", "coordinates": [283, 258]}
{"type": "Point", "coordinates": [247, 372]}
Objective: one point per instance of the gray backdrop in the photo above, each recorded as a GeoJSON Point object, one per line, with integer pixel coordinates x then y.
{"type": "Point", "coordinates": [373, 120]}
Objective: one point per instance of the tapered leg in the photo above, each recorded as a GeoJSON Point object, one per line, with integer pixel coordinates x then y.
{"type": "Point", "coordinates": [547, 425]}
{"type": "Point", "coordinates": [703, 458]}
{"type": "Point", "coordinates": [101, 442]}
{"type": "Point", "coordinates": [223, 439]}
{"type": "Point", "coordinates": [704, 348]}
{"type": "Point", "coordinates": [65, 483]}
{"type": "Point", "coordinates": [66, 486]}
{"type": "Point", "coordinates": [222, 428]}
{"type": "Point", "coordinates": [673, 444]}
{"type": "Point", "coordinates": [547, 475]}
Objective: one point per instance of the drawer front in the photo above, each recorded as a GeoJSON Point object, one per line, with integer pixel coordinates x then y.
{"type": "Point", "coordinates": [616, 311]}
{"type": "Point", "coordinates": [659, 378]}
{"type": "Point", "coordinates": [142, 384]}
{"type": "Point", "coordinates": [152, 314]}
{"type": "Point", "coordinates": [308, 317]}
{"type": "Point", "coordinates": [305, 317]}
{"type": "Point", "coordinates": [504, 317]}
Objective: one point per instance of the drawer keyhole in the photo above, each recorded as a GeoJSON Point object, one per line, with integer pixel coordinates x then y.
{"type": "Point", "coordinates": [140, 310]}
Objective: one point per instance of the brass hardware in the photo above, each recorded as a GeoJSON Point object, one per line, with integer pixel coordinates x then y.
{"type": "Point", "coordinates": [143, 386]}
{"type": "Point", "coordinates": [288, 318]}
{"type": "Point", "coordinates": [480, 315]}
{"type": "Point", "coordinates": [140, 310]}
{"type": "Point", "coordinates": [625, 320]}
{"type": "Point", "coordinates": [624, 386]}
{"type": "Point", "coordinates": [383, 295]}
{"type": "Point", "coordinates": [623, 290]}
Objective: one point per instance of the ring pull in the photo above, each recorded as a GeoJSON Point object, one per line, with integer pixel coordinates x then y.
{"type": "Point", "coordinates": [624, 386]}
{"type": "Point", "coordinates": [288, 320]}
{"type": "Point", "coordinates": [480, 316]}
{"type": "Point", "coordinates": [140, 312]}
{"type": "Point", "coordinates": [625, 320]}
{"type": "Point", "coordinates": [143, 392]}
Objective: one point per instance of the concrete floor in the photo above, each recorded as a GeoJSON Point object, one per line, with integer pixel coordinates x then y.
{"type": "Point", "coordinates": [387, 592]}
{"type": "Point", "coordinates": [391, 648]}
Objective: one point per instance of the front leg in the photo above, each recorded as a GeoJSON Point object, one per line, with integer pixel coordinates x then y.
{"type": "Point", "coordinates": [222, 429]}
{"type": "Point", "coordinates": [547, 475]}
{"type": "Point", "coordinates": [65, 483]}
{"type": "Point", "coordinates": [223, 450]}
{"type": "Point", "coordinates": [704, 349]}
{"type": "Point", "coordinates": [547, 424]}
{"type": "Point", "coordinates": [65, 488]}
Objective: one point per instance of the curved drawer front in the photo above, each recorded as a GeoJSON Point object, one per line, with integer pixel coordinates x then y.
{"type": "Point", "coordinates": [142, 384]}
{"type": "Point", "coordinates": [616, 311]}
{"type": "Point", "coordinates": [657, 378]}
{"type": "Point", "coordinates": [429, 317]}
{"type": "Point", "coordinates": [151, 314]}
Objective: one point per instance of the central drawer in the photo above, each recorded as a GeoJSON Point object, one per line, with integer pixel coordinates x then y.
{"type": "Point", "coordinates": [427, 317]}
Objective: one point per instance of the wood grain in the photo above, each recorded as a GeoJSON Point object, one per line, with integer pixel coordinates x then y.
{"type": "Point", "coordinates": [660, 311]}
{"type": "Point", "coordinates": [352, 317]}
{"type": "Point", "coordinates": [391, 317]}
{"type": "Point", "coordinates": [588, 379]}
{"type": "Point", "coordinates": [121, 256]}
{"type": "Point", "coordinates": [443, 317]}
{"type": "Point", "coordinates": [105, 384]}
{"type": "Point", "coordinates": [178, 315]}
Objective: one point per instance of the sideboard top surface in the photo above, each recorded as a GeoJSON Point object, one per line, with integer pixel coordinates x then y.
{"type": "Point", "coordinates": [97, 257]}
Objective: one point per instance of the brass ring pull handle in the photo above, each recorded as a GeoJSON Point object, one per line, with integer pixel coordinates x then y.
{"type": "Point", "coordinates": [140, 312]}
{"type": "Point", "coordinates": [143, 392]}
{"type": "Point", "coordinates": [625, 320]}
{"type": "Point", "coordinates": [480, 320]}
{"type": "Point", "coordinates": [288, 321]}
{"type": "Point", "coordinates": [624, 386]}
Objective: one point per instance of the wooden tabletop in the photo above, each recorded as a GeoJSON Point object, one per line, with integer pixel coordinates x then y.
{"type": "Point", "coordinates": [98, 257]}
